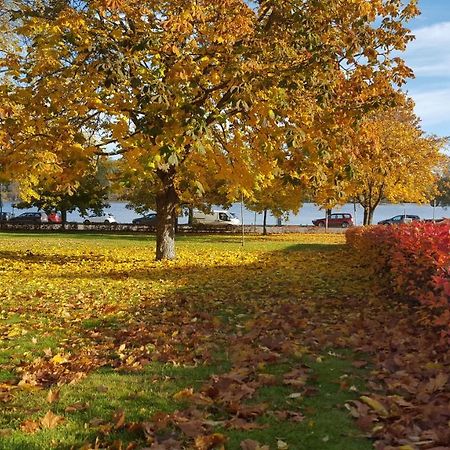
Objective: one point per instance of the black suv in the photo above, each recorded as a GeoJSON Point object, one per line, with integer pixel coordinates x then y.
{"type": "Point", "coordinates": [30, 217]}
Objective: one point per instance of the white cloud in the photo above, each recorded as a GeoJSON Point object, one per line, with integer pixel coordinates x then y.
{"type": "Point", "coordinates": [429, 54]}
{"type": "Point", "coordinates": [432, 36]}
{"type": "Point", "coordinates": [433, 107]}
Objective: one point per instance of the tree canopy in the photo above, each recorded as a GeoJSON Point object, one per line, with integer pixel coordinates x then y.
{"type": "Point", "coordinates": [187, 89]}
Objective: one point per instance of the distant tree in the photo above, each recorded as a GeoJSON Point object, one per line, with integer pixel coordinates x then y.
{"type": "Point", "coordinates": [443, 188]}
{"type": "Point", "coordinates": [279, 196]}
{"type": "Point", "coordinates": [393, 160]}
{"type": "Point", "coordinates": [89, 194]}
{"type": "Point", "coordinates": [396, 160]}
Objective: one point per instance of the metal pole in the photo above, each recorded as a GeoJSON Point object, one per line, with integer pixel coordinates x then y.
{"type": "Point", "coordinates": [242, 216]}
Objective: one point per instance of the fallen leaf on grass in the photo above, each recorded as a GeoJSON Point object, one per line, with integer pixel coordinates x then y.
{"type": "Point", "coordinates": [375, 405]}
{"type": "Point", "coordinates": [78, 406]}
{"type": "Point", "coordinates": [119, 419]}
{"type": "Point", "coordinates": [59, 359]}
{"type": "Point", "coordinates": [237, 423]}
{"type": "Point", "coordinates": [437, 383]}
{"type": "Point", "coordinates": [212, 441]}
{"type": "Point", "coordinates": [96, 421]}
{"type": "Point", "coordinates": [295, 395]}
{"type": "Point", "coordinates": [192, 428]}
{"type": "Point", "coordinates": [53, 395]}
{"type": "Point", "coordinates": [51, 420]}
{"type": "Point", "coordinates": [359, 364]}
{"type": "Point", "coordinates": [292, 416]}
{"type": "Point", "coordinates": [29, 426]}
{"type": "Point", "coordinates": [168, 444]}
{"type": "Point", "coordinates": [250, 444]}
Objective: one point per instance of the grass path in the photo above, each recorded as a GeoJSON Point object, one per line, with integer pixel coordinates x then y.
{"type": "Point", "coordinates": [261, 347]}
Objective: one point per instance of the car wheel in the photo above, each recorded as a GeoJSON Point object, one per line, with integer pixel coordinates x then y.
{"type": "Point", "coordinates": [87, 222]}
{"type": "Point", "coordinates": [321, 224]}
{"type": "Point", "coordinates": [106, 222]}
{"type": "Point", "coordinates": [344, 225]}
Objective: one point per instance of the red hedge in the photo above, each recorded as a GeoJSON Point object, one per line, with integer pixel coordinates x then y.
{"type": "Point", "coordinates": [413, 260]}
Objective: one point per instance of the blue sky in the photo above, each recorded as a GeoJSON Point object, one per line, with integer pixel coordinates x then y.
{"type": "Point", "coordinates": [429, 56]}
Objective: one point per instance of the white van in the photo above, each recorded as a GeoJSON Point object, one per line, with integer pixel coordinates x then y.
{"type": "Point", "coordinates": [215, 218]}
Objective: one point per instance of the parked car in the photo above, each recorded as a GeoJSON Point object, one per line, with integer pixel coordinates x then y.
{"type": "Point", "coordinates": [103, 218]}
{"type": "Point", "coordinates": [30, 217]}
{"type": "Point", "coordinates": [54, 217]}
{"type": "Point", "coordinates": [339, 220]}
{"type": "Point", "coordinates": [147, 219]}
{"type": "Point", "coordinates": [4, 216]}
{"type": "Point", "coordinates": [403, 218]}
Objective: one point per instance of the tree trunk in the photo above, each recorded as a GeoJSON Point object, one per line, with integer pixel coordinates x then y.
{"type": "Point", "coordinates": [265, 222]}
{"type": "Point", "coordinates": [166, 205]}
{"type": "Point", "coordinates": [368, 215]}
{"type": "Point", "coordinates": [190, 216]}
{"type": "Point", "coordinates": [370, 218]}
{"type": "Point", "coordinates": [64, 216]}
{"type": "Point", "coordinates": [327, 218]}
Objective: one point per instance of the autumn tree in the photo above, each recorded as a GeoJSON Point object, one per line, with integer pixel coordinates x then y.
{"type": "Point", "coordinates": [394, 160]}
{"type": "Point", "coordinates": [443, 186]}
{"type": "Point", "coordinates": [89, 193]}
{"type": "Point", "coordinates": [179, 87]}
{"type": "Point", "coordinates": [279, 195]}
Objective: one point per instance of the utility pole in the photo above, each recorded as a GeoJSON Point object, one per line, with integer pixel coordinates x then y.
{"type": "Point", "coordinates": [242, 217]}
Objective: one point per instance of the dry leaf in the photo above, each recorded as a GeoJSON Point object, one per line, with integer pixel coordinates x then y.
{"type": "Point", "coordinates": [375, 405]}
{"type": "Point", "coordinates": [53, 395]}
{"type": "Point", "coordinates": [250, 444]}
{"type": "Point", "coordinates": [79, 406]}
{"type": "Point", "coordinates": [29, 426]}
{"type": "Point", "coordinates": [51, 420]}
{"type": "Point", "coordinates": [119, 419]}
{"type": "Point", "coordinates": [210, 442]}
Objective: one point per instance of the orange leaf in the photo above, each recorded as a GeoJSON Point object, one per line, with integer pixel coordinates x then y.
{"type": "Point", "coordinates": [29, 426]}
{"type": "Point", "coordinates": [210, 442]}
{"type": "Point", "coordinates": [119, 419]}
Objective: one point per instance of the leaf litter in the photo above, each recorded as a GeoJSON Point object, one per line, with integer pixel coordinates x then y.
{"type": "Point", "coordinates": [174, 319]}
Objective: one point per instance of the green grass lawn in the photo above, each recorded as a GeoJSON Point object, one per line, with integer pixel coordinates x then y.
{"type": "Point", "coordinates": [120, 336]}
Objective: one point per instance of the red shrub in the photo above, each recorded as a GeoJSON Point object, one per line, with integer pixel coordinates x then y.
{"type": "Point", "coordinates": [413, 260]}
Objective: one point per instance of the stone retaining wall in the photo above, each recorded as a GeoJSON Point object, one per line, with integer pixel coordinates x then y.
{"type": "Point", "coordinates": [182, 229]}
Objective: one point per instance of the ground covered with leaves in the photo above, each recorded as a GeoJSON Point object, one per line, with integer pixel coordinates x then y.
{"type": "Point", "coordinates": [281, 344]}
